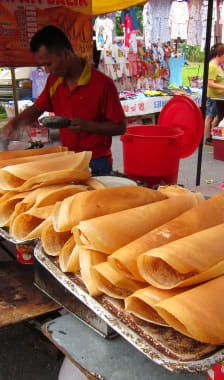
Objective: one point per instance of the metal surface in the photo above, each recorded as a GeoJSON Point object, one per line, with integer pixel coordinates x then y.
{"type": "Point", "coordinates": [157, 344]}
{"type": "Point", "coordinates": [5, 235]}
{"type": "Point", "coordinates": [102, 359]}
{"type": "Point", "coordinates": [44, 280]}
{"type": "Point", "coordinates": [55, 122]}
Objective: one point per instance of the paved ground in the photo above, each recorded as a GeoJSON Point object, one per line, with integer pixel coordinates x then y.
{"type": "Point", "coordinates": [21, 360]}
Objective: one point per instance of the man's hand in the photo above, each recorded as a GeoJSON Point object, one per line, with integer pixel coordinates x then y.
{"type": "Point", "coordinates": [8, 131]}
{"type": "Point", "coordinates": [78, 125]}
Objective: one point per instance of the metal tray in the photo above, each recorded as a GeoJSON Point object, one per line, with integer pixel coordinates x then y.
{"type": "Point", "coordinates": [155, 342]}
{"type": "Point", "coordinates": [5, 235]}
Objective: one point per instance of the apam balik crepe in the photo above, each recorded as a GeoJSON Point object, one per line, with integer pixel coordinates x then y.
{"type": "Point", "coordinates": [94, 184]}
{"type": "Point", "coordinates": [198, 312]}
{"type": "Point", "coordinates": [29, 224]}
{"type": "Point", "coordinates": [173, 190]}
{"type": "Point", "coordinates": [72, 210]}
{"type": "Point", "coordinates": [20, 160]}
{"type": "Point", "coordinates": [188, 261]}
{"type": "Point", "coordinates": [110, 232]}
{"type": "Point", "coordinates": [109, 281]}
{"type": "Point", "coordinates": [69, 257]}
{"type": "Point", "coordinates": [142, 303]}
{"type": "Point", "coordinates": [70, 167]}
{"type": "Point", "coordinates": [87, 259]}
{"type": "Point", "coordinates": [207, 214]}
{"type": "Point", "coordinates": [12, 154]}
{"type": "Point", "coordinates": [53, 241]}
{"type": "Point", "coordinates": [45, 196]}
{"type": "Point", "coordinates": [8, 204]}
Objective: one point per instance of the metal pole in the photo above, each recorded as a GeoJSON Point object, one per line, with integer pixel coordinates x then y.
{"type": "Point", "coordinates": [205, 82]}
{"type": "Point", "coordinates": [14, 91]}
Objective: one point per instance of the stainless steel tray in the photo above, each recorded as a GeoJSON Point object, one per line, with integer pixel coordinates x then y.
{"type": "Point", "coordinates": [5, 235]}
{"type": "Point", "coordinates": [151, 340]}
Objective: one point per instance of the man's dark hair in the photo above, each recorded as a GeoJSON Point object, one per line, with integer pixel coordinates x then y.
{"type": "Point", "coordinates": [52, 38]}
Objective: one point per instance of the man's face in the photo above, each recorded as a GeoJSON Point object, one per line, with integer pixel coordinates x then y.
{"type": "Point", "coordinates": [55, 63]}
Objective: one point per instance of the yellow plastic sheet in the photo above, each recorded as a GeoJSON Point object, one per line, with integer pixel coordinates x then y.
{"type": "Point", "coordinates": [105, 6]}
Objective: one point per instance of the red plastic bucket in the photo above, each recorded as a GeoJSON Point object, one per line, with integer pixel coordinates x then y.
{"type": "Point", "coordinates": [151, 153]}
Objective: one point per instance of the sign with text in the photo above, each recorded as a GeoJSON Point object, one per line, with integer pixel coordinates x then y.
{"type": "Point", "coordinates": [149, 105]}
{"type": "Point", "coordinates": [21, 19]}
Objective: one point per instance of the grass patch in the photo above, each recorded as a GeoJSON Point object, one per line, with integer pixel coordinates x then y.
{"type": "Point", "coordinates": [191, 70]}
{"type": "Point", "coordinates": [3, 115]}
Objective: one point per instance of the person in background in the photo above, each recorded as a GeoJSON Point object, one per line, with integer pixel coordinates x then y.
{"type": "Point", "coordinates": [78, 91]}
{"type": "Point", "coordinates": [215, 88]}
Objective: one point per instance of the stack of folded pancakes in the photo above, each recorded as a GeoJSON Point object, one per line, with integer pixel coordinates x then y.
{"type": "Point", "coordinates": [160, 251]}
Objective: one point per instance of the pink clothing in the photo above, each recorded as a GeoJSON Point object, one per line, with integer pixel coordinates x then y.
{"type": "Point", "coordinates": [132, 59]}
{"type": "Point", "coordinates": [128, 27]}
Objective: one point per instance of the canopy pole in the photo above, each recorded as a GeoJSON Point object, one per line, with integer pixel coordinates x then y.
{"type": "Point", "coordinates": [205, 83]}
{"type": "Point", "coordinates": [14, 91]}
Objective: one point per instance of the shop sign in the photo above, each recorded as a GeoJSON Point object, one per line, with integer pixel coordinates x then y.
{"type": "Point", "coordinates": [20, 19]}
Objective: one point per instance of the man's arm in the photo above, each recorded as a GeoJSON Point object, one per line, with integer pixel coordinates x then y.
{"type": "Point", "coordinates": [25, 118]}
{"type": "Point", "coordinates": [106, 128]}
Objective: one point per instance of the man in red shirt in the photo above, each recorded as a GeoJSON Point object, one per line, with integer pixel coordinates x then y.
{"type": "Point", "coordinates": [79, 92]}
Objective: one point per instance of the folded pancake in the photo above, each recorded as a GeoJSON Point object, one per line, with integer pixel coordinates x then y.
{"type": "Point", "coordinates": [110, 232]}
{"type": "Point", "coordinates": [94, 184]}
{"type": "Point", "coordinates": [53, 241]}
{"type": "Point", "coordinates": [193, 259]}
{"type": "Point", "coordinates": [70, 166]}
{"type": "Point", "coordinates": [8, 204]}
{"type": "Point", "coordinates": [141, 303]}
{"type": "Point", "coordinates": [20, 160]}
{"type": "Point", "coordinates": [7, 155]}
{"type": "Point", "coordinates": [100, 202]}
{"type": "Point", "coordinates": [111, 282]}
{"type": "Point", "coordinates": [45, 196]}
{"type": "Point", "coordinates": [87, 259]}
{"type": "Point", "coordinates": [29, 224]}
{"type": "Point", "coordinates": [198, 312]}
{"type": "Point", "coordinates": [207, 214]}
{"type": "Point", "coordinates": [173, 190]}
{"type": "Point", "coordinates": [69, 257]}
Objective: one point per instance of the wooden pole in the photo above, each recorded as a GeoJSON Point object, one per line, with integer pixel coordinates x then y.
{"type": "Point", "coordinates": [14, 91]}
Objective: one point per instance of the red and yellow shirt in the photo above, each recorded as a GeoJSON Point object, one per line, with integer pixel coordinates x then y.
{"type": "Point", "coordinates": [94, 98]}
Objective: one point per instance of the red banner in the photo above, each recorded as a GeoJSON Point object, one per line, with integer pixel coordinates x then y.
{"type": "Point", "coordinates": [20, 19]}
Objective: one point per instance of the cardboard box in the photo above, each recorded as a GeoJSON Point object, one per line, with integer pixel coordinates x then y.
{"type": "Point", "coordinates": [218, 144]}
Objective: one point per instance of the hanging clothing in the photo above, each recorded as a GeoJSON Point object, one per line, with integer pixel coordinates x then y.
{"type": "Point", "coordinates": [178, 19]}
{"type": "Point", "coordinates": [204, 14]}
{"type": "Point", "coordinates": [176, 65]}
{"type": "Point", "coordinates": [194, 24]}
{"type": "Point", "coordinates": [134, 20]}
{"type": "Point", "coordinates": [128, 27]}
{"type": "Point", "coordinates": [112, 17]}
{"type": "Point", "coordinates": [221, 22]}
{"type": "Point", "coordinates": [38, 78]}
{"type": "Point", "coordinates": [160, 15]}
{"type": "Point", "coordinates": [147, 24]}
{"type": "Point", "coordinates": [120, 53]}
{"type": "Point", "coordinates": [103, 28]}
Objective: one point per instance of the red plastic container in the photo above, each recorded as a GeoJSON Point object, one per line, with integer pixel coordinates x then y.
{"type": "Point", "coordinates": [151, 153]}
{"type": "Point", "coordinates": [218, 145]}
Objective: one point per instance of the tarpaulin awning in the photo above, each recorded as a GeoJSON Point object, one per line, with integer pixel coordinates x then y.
{"type": "Point", "coordinates": [106, 6]}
